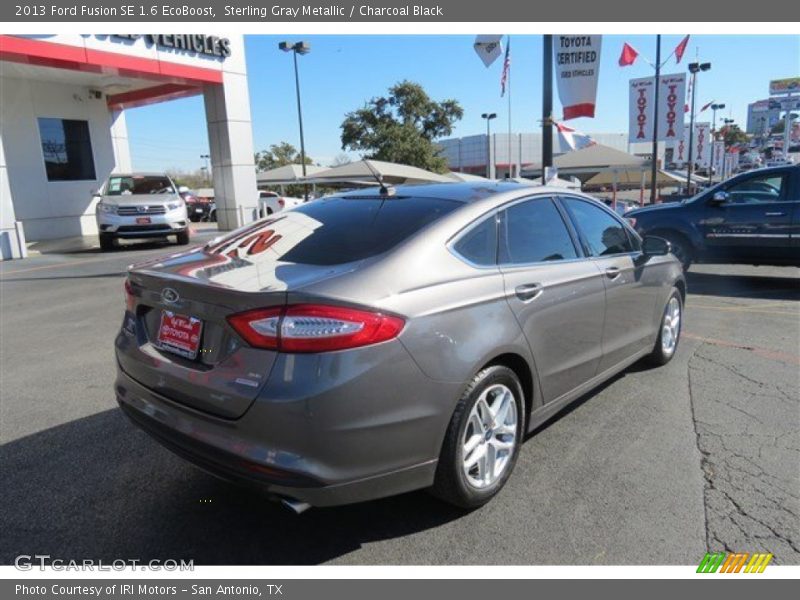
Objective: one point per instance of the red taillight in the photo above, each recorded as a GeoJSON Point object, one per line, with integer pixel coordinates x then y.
{"type": "Point", "coordinates": [314, 328]}
{"type": "Point", "coordinates": [281, 201]}
{"type": "Point", "coordinates": [130, 299]}
{"type": "Point", "coordinates": [258, 327]}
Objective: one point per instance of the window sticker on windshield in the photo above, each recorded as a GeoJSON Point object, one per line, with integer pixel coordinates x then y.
{"type": "Point", "coordinates": [114, 185]}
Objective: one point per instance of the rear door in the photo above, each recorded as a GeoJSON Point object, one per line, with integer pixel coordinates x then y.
{"type": "Point", "coordinates": [556, 294]}
{"type": "Point", "coordinates": [756, 220]}
{"type": "Point", "coordinates": [632, 287]}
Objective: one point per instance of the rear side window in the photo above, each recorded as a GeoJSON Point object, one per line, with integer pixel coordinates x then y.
{"type": "Point", "coordinates": [479, 244]}
{"type": "Point", "coordinates": [333, 231]}
{"type": "Point", "coordinates": [604, 234]}
{"type": "Point", "coordinates": [534, 231]}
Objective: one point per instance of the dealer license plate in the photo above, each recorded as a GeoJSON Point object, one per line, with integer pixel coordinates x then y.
{"type": "Point", "coordinates": [179, 334]}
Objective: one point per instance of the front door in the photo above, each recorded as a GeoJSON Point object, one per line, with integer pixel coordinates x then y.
{"type": "Point", "coordinates": [632, 289]}
{"type": "Point", "coordinates": [557, 295]}
{"type": "Point", "coordinates": [754, 220]}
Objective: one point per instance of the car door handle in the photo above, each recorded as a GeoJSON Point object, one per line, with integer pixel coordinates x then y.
{"type": "Point", "coordinates": [612, 272]}
{"type": "Point", "coordinates": [775, 214]}
{"type": "Point", "coordinates": [528, 291]}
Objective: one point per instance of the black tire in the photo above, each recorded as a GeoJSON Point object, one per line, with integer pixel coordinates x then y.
{"type": "Point", "coordinates": [182, 237]}
{"type": "Point", "coordinates": [681, 247]}
{"type": "Point", "coordinates": [212, 216]}
{"type": "Point", "coordinates": [107, 242]}
{"type": "Point", "coordinates": [451, 483]}
{"type": "Point", "coordinates": [659, 355]}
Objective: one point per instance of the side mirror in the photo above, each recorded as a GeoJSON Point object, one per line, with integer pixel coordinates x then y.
{"type": "Point", "coordinates": [720, 197]}
{"type": "Point", "coordinates": [655, 246]}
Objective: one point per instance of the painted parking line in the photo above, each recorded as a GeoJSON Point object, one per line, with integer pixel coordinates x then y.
{"type": "Point", "coordinates": [59, 265]}
{"type": "Point", "coordinates": [785, 357]}
{"type": "Point", "coordinates": [757, 308]}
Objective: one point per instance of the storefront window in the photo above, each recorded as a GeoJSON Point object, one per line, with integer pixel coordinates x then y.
{"type": "Point", "coordinates": [67, 149]}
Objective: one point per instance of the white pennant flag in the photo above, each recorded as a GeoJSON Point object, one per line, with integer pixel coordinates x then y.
{"type": "Point", "coordinates": [488, 48]}
{"type": "Point", "coordinates": [571, 139]}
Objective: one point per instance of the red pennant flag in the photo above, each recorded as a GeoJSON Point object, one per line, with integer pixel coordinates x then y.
{"type": "Point", "coordinates": [628, 56]}
{"type": "Point", "coordinates": [680, 49]}
{"type": "Point", "coordinates": [705, 106]}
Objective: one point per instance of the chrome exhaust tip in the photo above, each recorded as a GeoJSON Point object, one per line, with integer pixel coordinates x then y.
{"type": "Point", "coordinates": [295, 506]}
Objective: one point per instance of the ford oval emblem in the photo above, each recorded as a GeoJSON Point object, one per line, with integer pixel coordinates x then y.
{"type": "Point", "coordinates": [169, 296]}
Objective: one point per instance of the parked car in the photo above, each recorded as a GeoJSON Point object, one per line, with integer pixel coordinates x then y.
{"type": "Point", "coordinates": [752, 218]}
{"type": "Point", "coordinates": [272, 202]}
{"type": "Point", "coordinates": [196, 208]}
{"type": "Point", "coordinates": [140, 205]}
{"type": "Point", "coordinates": [622, 206]}
{"type": "Point", "coordinates": [367, 344]}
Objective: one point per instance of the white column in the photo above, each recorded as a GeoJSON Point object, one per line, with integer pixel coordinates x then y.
{"type": "Point", "coordinates": [119, 140]}
{"type": "Point", "coordinates": [230, 139]}
{"type": "Point", "coordinates": [12, 238]}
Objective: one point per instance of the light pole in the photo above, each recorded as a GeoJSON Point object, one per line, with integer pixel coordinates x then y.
{"type": "Point", "coordinates": [714, 108]}
{"type": "Point", "coordinates": [654, 160]}
{"type": "Point", "coordinates": [295, 49]}
{"type": "Point", "coordinates": [206, 158]}
{"type": "Point", "coordinates": [694, 68]}
{"type": "Point", "coordinates": [488, 117]}
{"type": "Point", "coordinates": [547, 105]}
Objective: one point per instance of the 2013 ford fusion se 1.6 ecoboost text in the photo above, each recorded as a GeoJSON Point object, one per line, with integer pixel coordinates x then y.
{"type": "Point", "coordinates": [380, 341]}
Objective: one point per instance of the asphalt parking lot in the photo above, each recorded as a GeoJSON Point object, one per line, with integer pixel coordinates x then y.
{"type": "Point", "coordinates": [655, 467]}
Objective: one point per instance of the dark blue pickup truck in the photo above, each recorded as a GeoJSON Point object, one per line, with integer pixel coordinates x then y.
{"type": "Point", "coordinates": [753, 218]}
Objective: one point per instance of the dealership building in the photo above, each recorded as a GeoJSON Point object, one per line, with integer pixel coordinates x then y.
{"type": "Point", "coordinates": [62, 123]}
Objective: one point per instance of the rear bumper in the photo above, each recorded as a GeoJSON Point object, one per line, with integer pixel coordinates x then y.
{"type": "Point", "coordinates": [305, 449]}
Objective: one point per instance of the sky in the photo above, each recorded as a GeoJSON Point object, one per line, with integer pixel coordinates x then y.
{"type": "Point", "coordinates": [342, 72]}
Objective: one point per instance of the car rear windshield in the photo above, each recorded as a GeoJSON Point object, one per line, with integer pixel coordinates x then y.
{"type": "Point", "coordinates": [138, 184]}
{"type": "Point", "coordinates": [338, 230]}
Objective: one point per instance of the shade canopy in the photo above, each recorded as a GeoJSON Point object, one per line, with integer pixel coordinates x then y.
{"type": "Point", "coordinates": [598, 157]}
{"type": "Point", "coordinates": [632, 177]}
{"type": "Point", "coordinates": [359, 172]}
{"type": "Point", "coordinates": [285, 175]}
{"type": "Point", "coordinates": [591, 160]}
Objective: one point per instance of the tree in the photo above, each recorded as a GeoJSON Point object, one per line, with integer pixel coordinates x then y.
{"type": "Point", "coordinates": [191, 179]}
{"type": "Point", "coordinates": [279, 155]}
{"type": "Point", "coordinates": [340, 159]}
{"type": "Point", "coordinates": [733, 136]}
{"type": "Point", "coordinates": [402, 127]}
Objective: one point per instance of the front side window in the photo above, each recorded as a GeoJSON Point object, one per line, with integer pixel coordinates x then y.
{"type": "Point", "coordinates": [125, 185]}
{"type": "Point", "coordinates": [67, 149]}
{"type": "Point", "coordinates": [534, 231]}
{"type": "Point", "coordinates": [754, 190]}
{"type": "Point", "coordinates": [604, 234]}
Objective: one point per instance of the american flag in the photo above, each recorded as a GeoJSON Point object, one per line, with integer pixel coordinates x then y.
{"type": "Point", "coordinates": [506, 68]}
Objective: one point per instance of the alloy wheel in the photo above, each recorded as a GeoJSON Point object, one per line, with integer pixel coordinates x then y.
{"type": "Point", "coordinates": [671, 326]}
{"type": "Point", "coordinates": [490, 436]}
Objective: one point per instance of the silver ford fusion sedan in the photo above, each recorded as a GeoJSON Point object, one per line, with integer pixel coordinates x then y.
{"type": "Point", "coordinates": [381, 341]}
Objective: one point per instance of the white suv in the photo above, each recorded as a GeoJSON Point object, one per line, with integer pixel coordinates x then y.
{"type": "Point", "coordinates": [140, 205]}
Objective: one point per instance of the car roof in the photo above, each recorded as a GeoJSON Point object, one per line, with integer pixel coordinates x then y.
{"type": "Point", "coordinates": [467, 192]}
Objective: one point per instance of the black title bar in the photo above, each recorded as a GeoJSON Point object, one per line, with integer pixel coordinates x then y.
{"type": "Point", "coordinates": [481, 11]}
